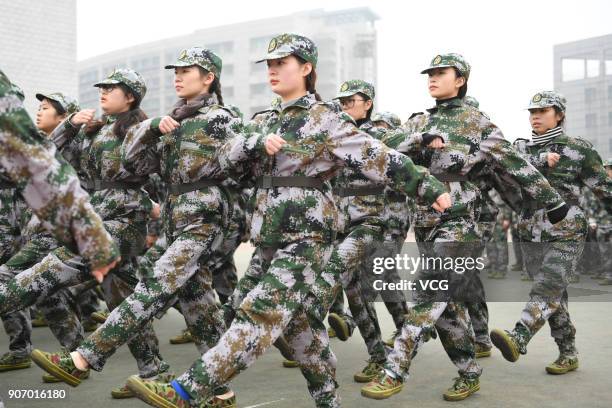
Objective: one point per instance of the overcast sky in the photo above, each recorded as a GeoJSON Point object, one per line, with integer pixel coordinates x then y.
{"type": "Point", "coordinates": [509, 45]}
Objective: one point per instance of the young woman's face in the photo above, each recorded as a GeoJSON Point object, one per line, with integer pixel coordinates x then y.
{"type": "Point", "coordinates": [113, 100]}
{"type": "Point", "coordinates": [47, 118]}
{"type": "Point", "coordinates": [443, 83]}
{"type": "Point", "coordinates": [381, 124]}
{"type": "Point", "coordinates": [190, 83]}
{"type": "Point", "coordinates": [356, 106]}
{"type": "Point", "coordinates": [544, 119]}
{"type": "Point", "coordinates": [287, 76]}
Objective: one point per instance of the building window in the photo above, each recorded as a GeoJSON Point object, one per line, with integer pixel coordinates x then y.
{"type": "Point", "coordinates": [259, 44]}
{"type": "Point", "coordinates": [225, 47]}
{"type": "Point", "coordinates": [589, 95]}
{"type": "Point", "coordinates": [592, 68]}
{"type": "Point", "coordinates": [590, 120]}
{"type": "Point", "coordinates": [228, 91]}
{"type": "Point", "coordinates": [259, 68]}
{"type": "Point", "coordinates": [610, 121]}
{"type": "Point", "coordinates": [610, 92]}
{"type": "Point", "coordinates": [608, 65]}
{"type": "Point", "coordinates": [227, 70]}
{"type": "Point", "coordinates": [572, 69]}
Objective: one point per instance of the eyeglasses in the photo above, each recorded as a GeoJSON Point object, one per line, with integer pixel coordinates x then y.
{"type": "Point", "coordinates": [349, 102]}
{"type": "Point", "coordinates": [107, 89]}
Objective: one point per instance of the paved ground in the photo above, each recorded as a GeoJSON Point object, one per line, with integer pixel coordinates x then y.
{"type": "Point", "coordinates": [267, 384]}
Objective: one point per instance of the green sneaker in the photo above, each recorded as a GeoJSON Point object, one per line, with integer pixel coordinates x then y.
{"type": "Point", "coordinates": [506, 343]}
{"type": "Point", "coordinates": [124, 392]}
{"type": "Point", "coordinates": [481, 350]}
{"type": "Point", "coordinates": [10, 361]}
{"type": "Point", "coordinates": [340, 326]}
{"type": "Point", "coordinates": [382, 387]}
{"type": "Point", "coordinates": [462, 388]}
{"type": "Point", "coordinates": [331, 333]}
{"type": "Point", "coordinates": [183, 338]}
{"type": "Point", "coordinates": [606, 282]}
{"type": "Point", "coordinates": [574, 279]}
{"type": "Point", "coordinates": [100, 317]}
{"type": "Point", "coordinates": [163, 395]}
{"type": "Point", "coordinates": [59, 365]}
{"type": "Point", "coordinates": [39, 320]}
{"type": "Point", "coordinates": [290, 364]}
{"type": "Point", "coordinates": [562, 365]}
{"type": "Point", "coordinates": [371, 371]}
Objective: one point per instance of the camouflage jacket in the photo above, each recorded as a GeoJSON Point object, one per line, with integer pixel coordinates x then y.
{"type": "Point", "coordinates": [358, 209]}
{"type": "Point", "coordinates": [98, 157]}
{"type": "Point", "coordinates": [49, 186]}
{"type": "Point", "coordinates": [579, 165]}
{"type": "Point", "coordinates": [472, 144]}
{"type": "Point", "coordinates": [13, 211]}
{"type": "Point", "coordinates": [320, 140]}
{"type": "Point", "coordinates": [181, 157]}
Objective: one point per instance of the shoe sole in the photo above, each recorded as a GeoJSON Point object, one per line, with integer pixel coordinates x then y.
{"type": "Point", "coordinates": [141, 392]}
{"type": "Point", "coordinates": [339, 325]}
{"type": "Point", "coordinates": [122, 394]}
{"type": "Point", "coordinates": [483, 354]}
{"type": "Point", "coordinates": [503, 342]}
{"type": "Point", "coordinates": [173, 341]}
{"type": "Point", "coordinates": [555, 371]}
{"type": "Point", "coordinates": [364, 379]}
{"type": "Point", "coordinates": [43, 362]}
{"type": "Point", "coordinates": [50, 379]}
{"type": "Point", "coordinates": [12, 367]}
{"type": "Point", "coordinates": [461, 397]}
{"type": "Point", "coordinates": [290, 364]}
{"type": "Point", "coordinates": [382, 395]}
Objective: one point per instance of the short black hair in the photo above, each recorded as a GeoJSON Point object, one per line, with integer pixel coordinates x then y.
{"type": "Point", "coordinates": [464, 88]}
{"type": "Point", "coordinates": [57, 106]}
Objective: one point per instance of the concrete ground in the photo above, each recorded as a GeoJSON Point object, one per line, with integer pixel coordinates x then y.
{"type": "Point", "coordinates": [267, 384]}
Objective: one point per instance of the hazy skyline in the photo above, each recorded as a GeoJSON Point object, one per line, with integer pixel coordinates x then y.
{"type": "Point", "coordinates": [510, 46]}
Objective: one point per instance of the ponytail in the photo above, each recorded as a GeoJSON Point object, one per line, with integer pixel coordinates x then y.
{"type": "Point", "coordinates": [215, 86]}
{"type": "Point", "coordinates": [311, 80]}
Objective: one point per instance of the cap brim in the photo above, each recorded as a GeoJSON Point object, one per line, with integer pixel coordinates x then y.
{"type": "Point", "coordinates": [275, 55]}
{"type": "Point", "coordinates": [346, 94]}
{"type": "Point", "coordinates": [178, 64]}
{"type": "Point", "coordinates": [437, 66]}
{"type": "Point", "coordinates": [538, 106]}
{"type": "Point", "coordinates": [107, 81]}
{"type": "Point", "coordinates": [40, 97]}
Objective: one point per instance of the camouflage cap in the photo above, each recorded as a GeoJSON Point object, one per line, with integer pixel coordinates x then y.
{"type": "Point", "coordinates": [471, 101]}
{"type": "Point", "coordinates": [450, 60]}
{"type": "Point", "coordinates": [292, 44]}
{"type": "Point", "coordinates": [350, 88]}
{"type": "Point", "coordinates": [389, 118]}
{"type": "Point", "coordinates": [199, 56]}
{"type": "Point", "coordinates": [128, 77]}
{"type": "Point", "coordinates": [69, 104]}
{"type": "Point", "coordinates": [546, 99]}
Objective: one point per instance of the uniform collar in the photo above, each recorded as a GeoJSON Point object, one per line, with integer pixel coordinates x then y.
{"type": "Point", "coordinates": [304, 102]}
{"type": "Point", "coordinates": [443, 104]}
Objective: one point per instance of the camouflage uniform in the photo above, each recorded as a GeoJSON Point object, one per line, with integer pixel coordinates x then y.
{"type": "Point", "coordinates": [37, 243]}
{"type": "Point", "coordinates": [293, 228]}
{"type": "Point", "coordinates": [551, 252]}
{"type": "Point", "coordinates": [603, 220]}
{"type": "Point", "coordinates": [472, 144]}
{"type": "Point", "coordinates": [195, 214]}
{"type": "Point", "coordinates": [497, 245]}
{"type": "Point", "coordinates": [124, 208]}
{"type": "Point", "coordinates": [49, 186]}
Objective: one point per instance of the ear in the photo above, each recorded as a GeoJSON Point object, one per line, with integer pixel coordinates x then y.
{"type": "Point", "coordinates": [306, 69]}
{"type": "Point", "coordinates": [368, 104]}
{"type": "Point", "coordinates": [460, 81]}
{"type": "Point", "coordinates": [210, 77]}
{"type": "Point", "coordinates": [130, 98]}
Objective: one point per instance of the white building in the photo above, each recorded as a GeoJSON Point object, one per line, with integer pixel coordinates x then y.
{"type": "Point", "coordinates": [583, 73]}
{"type": "Point", "coordinates": [39, 46]}
{"type": "Point", "coordinates": [347, 50]}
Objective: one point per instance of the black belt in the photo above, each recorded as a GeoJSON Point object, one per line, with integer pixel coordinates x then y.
{"type": "Point", "coordinates": [178, 189]}
{"type": "Point", "coordinates": [97, 185]}
{"type": "Point", "coordinates": [448, 177]}
{"type": "Point", "coordinates": [395, 197]}
{"type": "Point", "coordinates": [290, 181]}
{"type": "Point", "coordinates": [572, 201]}
{"type": "Point", "coordinates": [4, 185]}
{"type": "Point", "coordinates": [358, 191]}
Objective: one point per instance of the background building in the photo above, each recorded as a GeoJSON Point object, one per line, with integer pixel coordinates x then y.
{"type": "Point", "coordinates": [39, 46]}
{"type": "Point", "coordinates": [583, 73]}
{"type": "Point", "coordinates": [347, 49]}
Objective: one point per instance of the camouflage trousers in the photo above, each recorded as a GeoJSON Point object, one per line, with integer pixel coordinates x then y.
{"type": "Point", "coordinates": [448, 317]}
{"type": "Point", "coordinates": [550, 254]}
{"type": "Point", "coordinates": [291, 297]}
{"type": "Point", "coordinates": [604, 238]}
{"type": "Point", "coordinates": [62, 269]}
{"type": "Point", "coordinates": [497, 250]}
{"type": "Point", "coordinates": [59, 309]}
{"type": "Point", "coordinates": [516, 244]}
{"type": "Point", "coordinates": [179, 272]}
{"type": "Point", "coordinates": [350, 260]}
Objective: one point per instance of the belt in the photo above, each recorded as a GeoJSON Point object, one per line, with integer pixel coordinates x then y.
{"type": "Point", "coordinates": [97, 185]}
{"type": "Point", "coordinates": [448, 177]}
{"type": "Point", "coordinates": [290, 181]}
{"type": "Point", "coordinates": [177, 189]}
{"type": "Point", "coordinates": [358, 191]}
{"type": "Point", "coordinates": [6, 185]}
{"type": "Point", "coordinates": [572, 201]}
